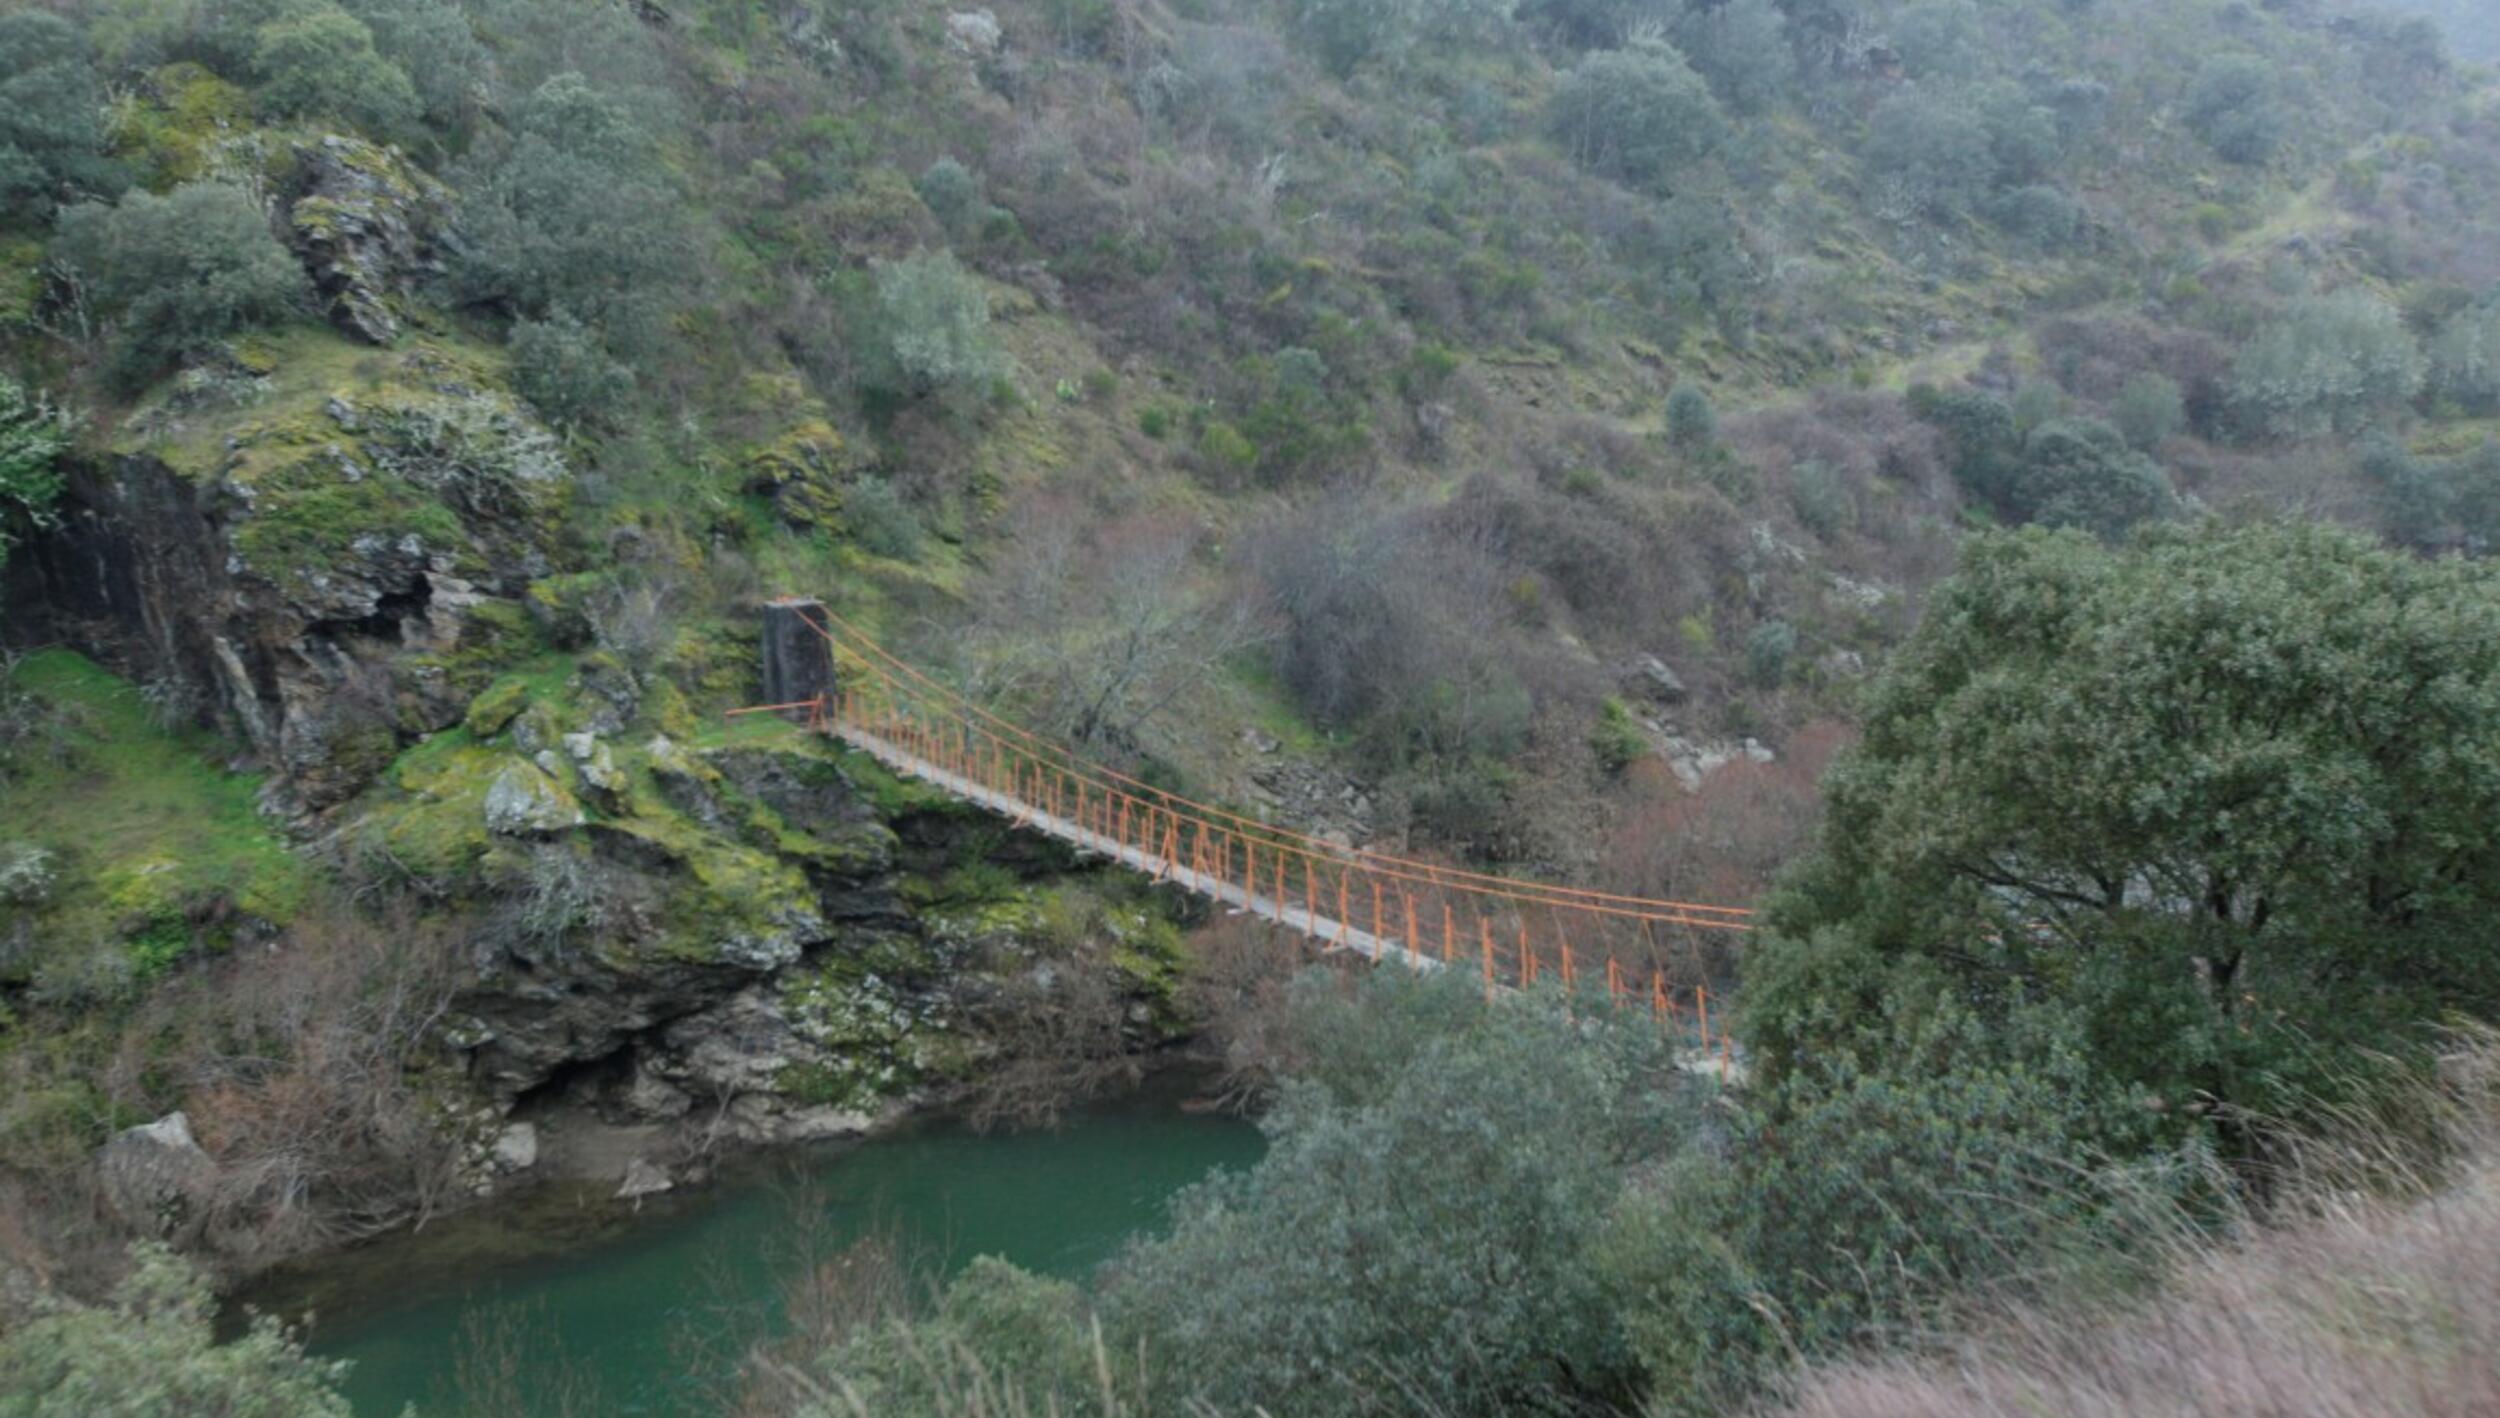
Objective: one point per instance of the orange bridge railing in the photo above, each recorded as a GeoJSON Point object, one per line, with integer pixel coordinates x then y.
{"type": "Point", "coordinates": [1644, 953]}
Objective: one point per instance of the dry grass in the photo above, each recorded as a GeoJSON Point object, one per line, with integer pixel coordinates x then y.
{"type": "Point", "coordinates": [2350, 1305]}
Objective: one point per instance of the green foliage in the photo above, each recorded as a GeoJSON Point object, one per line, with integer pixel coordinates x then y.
{"type": "Point", "coordinates": [1940, 39]}
{"type": "Point", "coordinates": [1742, 48]}
{"type": "Point", "coordinates": [1768, 649]}
{"type": "Point", "coordinates": [2435, 504]}
{"type": "Point", "coordinates": [1931, 152]}
{"type": "Point", "coordinates": [2340, 363]}
{"type": "Point", "coordinates": [2040, 214]}
{"type": "Point", "coordinates": [1639, 115]}
{"type": "Point", "coordinates": [1982, 441]}
{"type": "Point", "coordinates": [2149, 410]}
{"type": "Point", "coordinates": [153, 1351]}
{"type": "Point", "coordinates": [2082, 473]}
{"type": "Point", "coordinates": [1820, 500]}
{"type": "Point", "coordinates": [1861, 1202]}
{"type": "Point", "coordinates": [2065, 472]}
{"type": "Point", "coordinates": [172, 276]}
{"type": "Point", "coordinates": [2465, 358]}
{"type": "Point", "coordinates": [1617, 740]}
{"type": "Point", "coordinates": [33, 436]}
{"type": "Point", "coordinates": [320, 63]}
{"type": "Point", "coordinates": [2234, 104]}
{"type": "Point", "coordinates": [564, 370]}
{"type": "Point", "coordinates": [1692, 421]}
{"type": "Point", "coordinates": [1225, 451]}
{"type": "Point", "coordinates": [880, 520]}
{"type": "Point", "coordinates": [2204, 809]}
{"type": "Point", "coordinates": [50, 139]}
{"type": "Point", "coordinates": [1449, 1163]}
{"type": "Point", "coordinates": [580, 217]}
{"type": "Point", "coordinates": [431, 43]}
{"type": "Point", "coordinates": [952, 195]}
{"type": "Point", "coordinates": [1347, 34]}
{"type": "Point", "coordinates": [931, 329]}
{"type": "Point", "coordinates": [1027, 1332]}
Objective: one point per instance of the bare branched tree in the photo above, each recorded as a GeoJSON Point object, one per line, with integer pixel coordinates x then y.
{"type": "Point", "coordinates": [293, 1060]}
{"type": "Point", "coordinates": [1102, 632]}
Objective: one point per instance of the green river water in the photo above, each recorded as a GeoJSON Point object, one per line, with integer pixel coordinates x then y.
{"type": "Point", "coordinates": [631, 1297]}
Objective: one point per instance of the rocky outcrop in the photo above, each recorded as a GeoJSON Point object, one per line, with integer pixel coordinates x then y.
{"type": "Point", "coordinates": [326, 576]}
{"type": "Point", "coordinates": [154, 1175]}
{"type": "Point", "coordinates": [364, 224]}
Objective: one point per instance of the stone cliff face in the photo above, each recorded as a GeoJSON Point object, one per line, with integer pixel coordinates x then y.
{"type": "Point", "coordinates": [349, 550]}
{"type": "Point", "coordinates": [311, 579]}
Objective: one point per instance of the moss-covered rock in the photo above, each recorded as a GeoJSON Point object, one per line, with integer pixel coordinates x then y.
{"type": "Point", "coordinates": [493, 711]}
{"type": "Point", "coordinates": [364, 223]}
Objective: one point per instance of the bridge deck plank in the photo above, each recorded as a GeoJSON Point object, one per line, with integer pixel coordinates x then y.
{"type": "Point", "coordinates": [1333, 933]}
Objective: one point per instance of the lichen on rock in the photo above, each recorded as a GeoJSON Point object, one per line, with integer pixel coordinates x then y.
{"type": "Point", "coordinates": [364, 223]}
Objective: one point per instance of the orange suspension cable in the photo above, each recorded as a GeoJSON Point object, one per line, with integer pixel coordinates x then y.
{"type": "Point", "coordinates": [866, 647]}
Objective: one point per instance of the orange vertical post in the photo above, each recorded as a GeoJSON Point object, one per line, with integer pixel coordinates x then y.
{"type": "Point", "coordinates": [1409, 898]}
{"type": "Point", "coordinates": [1701, 1002]}
{"type": "Point", "coordinates": [1484, 928]}
{"type": "Point", "coordinates": [1657, 995]}
{"type": "Point", "coordinates": [1527, 954]}
{"type": "Point", "coordinates": [1379, 925]}
{"type": "Point", "coordinates": [1449, 928]}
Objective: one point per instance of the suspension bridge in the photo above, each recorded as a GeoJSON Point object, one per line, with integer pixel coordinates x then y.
{"type": "Point", "coordinates": [828, 677]}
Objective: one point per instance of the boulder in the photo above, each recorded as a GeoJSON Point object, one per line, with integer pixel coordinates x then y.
{"type": "Point", "coordinates": [154, 1174]}
{"type": "Point", "coordinates": [363, 223]}
{"type": "Point", "coordinates": [523, 801]}
{"type": "Point", "coordinates": [516, 1148]}
{"type": "Point", "coordinates": [1651, 676]}
{"type": "Point", "coordinates": [644, 1177]}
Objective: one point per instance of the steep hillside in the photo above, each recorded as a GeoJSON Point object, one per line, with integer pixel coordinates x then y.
{"type": "Point", "coordinates": [1506, 432]}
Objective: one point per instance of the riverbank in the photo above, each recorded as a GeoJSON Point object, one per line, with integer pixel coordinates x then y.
{"type": "Point", "coordinates": [657, 1301]}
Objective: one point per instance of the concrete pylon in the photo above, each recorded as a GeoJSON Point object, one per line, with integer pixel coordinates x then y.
{"type": "Point", "coordinates": [798, 659]}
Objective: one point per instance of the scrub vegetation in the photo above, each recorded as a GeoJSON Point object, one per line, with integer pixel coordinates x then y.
{"type": "Point", "coordinates": [2005, 487]}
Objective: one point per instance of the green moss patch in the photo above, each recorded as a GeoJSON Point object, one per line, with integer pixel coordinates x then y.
{"type": "Point", "coordinates": [158, 847]}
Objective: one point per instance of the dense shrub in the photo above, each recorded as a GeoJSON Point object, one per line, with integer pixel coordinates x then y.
{"type": "Point", "coordinates": [153, 1350]}
{"type": "Point", "coordinates": [565, 372]}
{"type": "Point", "coordinates": [1768, 650]}
{"type": "Point", "coordinates": [1638, 115]}
{"type": "Point", "coordinates": [33, 436]}
{"type": "Point", "coordinates": [1940, 39]}
{"type": "Point", "coordinates": [1452, 1163]}
{"type": "Point", "coordinates": [2465, 358]}
{"type": "Point", "coordinates": [431, 43]}
{"type": "Point", "coordinates": [2040, 214]}
{"type": "Point", "coordinates": [1346, 34]}
{"type": "Point", "coordinates": [1931, 152]}
{"type": "Point", "coordinates": [2217, 875]}
{"type": "Point", "coordinates": [50, 139]}
{"type": "Point", "coordinates": [580, 216]}
{"type": "Point", "coordinates": [1741, 47]}
{"type": "Point", "coordinates": [952, 195]}
{"type": "Point", "coordinates": [1692, 422]}
{"type": "Point", "coordinates": [2340, 363]}
{"type": "Point", "coordinates": [2082, 473]}
{"type": "Point", "coordinates": [930, 324]}
{"type": "Point", "coordinates": [2149, 409]}
{"type": "Point", "coordinates": [320, 62]}
{"type": "Point", "coordinates": [2233, 104]}
{"type": "Point", "coordinates": [171, 276]}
